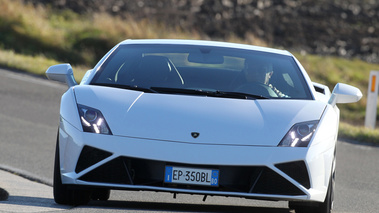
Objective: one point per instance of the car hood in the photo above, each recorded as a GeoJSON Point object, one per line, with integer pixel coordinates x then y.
{"type": "Point", "coordinates": [175, 118]}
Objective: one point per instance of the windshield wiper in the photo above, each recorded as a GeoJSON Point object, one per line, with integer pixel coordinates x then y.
{"type": "Point", "coordinates": [130, 87]}
{"type": "Point", "coordinates": [220, 94]}
{"type": "Point", "coordinates": [240, 95]}
{"type": "Point", "coordinates": [169, 90]}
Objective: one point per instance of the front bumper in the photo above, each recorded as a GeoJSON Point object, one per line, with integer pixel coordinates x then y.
{"type": "Point", "coordinates": [274, 173]}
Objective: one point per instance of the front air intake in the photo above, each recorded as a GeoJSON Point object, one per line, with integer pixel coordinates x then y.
{"type": "Point", "coordinates": [297, 170]}
{"type": "Point", "coordinates": [90, 156]}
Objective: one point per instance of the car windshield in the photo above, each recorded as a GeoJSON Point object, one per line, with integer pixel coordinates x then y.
{"type": "Point", "coordinates": [203, 70]}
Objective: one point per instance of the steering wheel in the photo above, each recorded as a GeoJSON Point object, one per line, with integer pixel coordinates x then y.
{"type": "Point", "coordinates": [257, 89]}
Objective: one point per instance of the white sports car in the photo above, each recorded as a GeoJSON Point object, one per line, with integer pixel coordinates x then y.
{"type": "Point", "coordinates": [198, 117]}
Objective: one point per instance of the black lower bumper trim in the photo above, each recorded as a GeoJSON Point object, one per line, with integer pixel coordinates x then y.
{"type": "Point", "coordinates": [243, 179]}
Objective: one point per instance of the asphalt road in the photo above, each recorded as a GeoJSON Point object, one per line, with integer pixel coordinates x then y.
{"type": "Point", "coordinates": [29, 115]}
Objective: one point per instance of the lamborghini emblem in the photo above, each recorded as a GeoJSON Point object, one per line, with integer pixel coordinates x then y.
{"type": "Point", "coordinates": [195, 134]}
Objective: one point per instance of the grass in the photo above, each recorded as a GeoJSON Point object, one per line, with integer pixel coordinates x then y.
{"type": "Point", "coordinates": [68, 36]}
{"type": "Point", "coordinates": [36, 65]}
{"type": "Point", "coordinates": [34, 38]}
{"type": "Point", "coordinates": [358, 133]}
{"type": "Point", "coordinates": [332, 70]}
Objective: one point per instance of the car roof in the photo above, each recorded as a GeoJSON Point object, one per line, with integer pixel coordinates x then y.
{"type": "Point", "coordinates": [207, 43]}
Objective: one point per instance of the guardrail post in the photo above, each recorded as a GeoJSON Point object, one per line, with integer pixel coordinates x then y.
{"type": "Point", "coordinates": [372, 100]}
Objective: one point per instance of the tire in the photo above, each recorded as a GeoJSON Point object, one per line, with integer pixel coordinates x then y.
{"type": "Point", "coordinates": [62, 193]}
{"type": "Point", "coordinates": [315, 207]}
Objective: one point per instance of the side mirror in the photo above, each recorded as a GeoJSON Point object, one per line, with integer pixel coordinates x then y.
{"type": "Point", "coordinates": [62, 73]}
{"type": "Point", "coordinates": [343, 93]}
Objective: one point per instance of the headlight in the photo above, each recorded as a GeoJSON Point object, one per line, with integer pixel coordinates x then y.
{"type": "Point", "coordinates": [299, 135]}
{"type": "Point", "coordinates": [93, 121]}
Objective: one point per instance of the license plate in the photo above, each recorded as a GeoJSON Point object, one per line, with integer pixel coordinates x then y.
{"type": "Point", "coordinates": [184, 175]}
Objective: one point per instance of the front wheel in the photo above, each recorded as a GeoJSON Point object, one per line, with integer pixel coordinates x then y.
{"type": "Point", "coordinates": [62, 193]}
{"type": "Point", "coordinates": [314, 207]}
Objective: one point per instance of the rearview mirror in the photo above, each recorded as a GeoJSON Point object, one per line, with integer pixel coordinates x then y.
{"type": "Point", "coordinates": [62, 73]}
{"type": "Point", "coordinates": [343, 93]}
{"type": "Point", "coordinates": [205, 58]}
